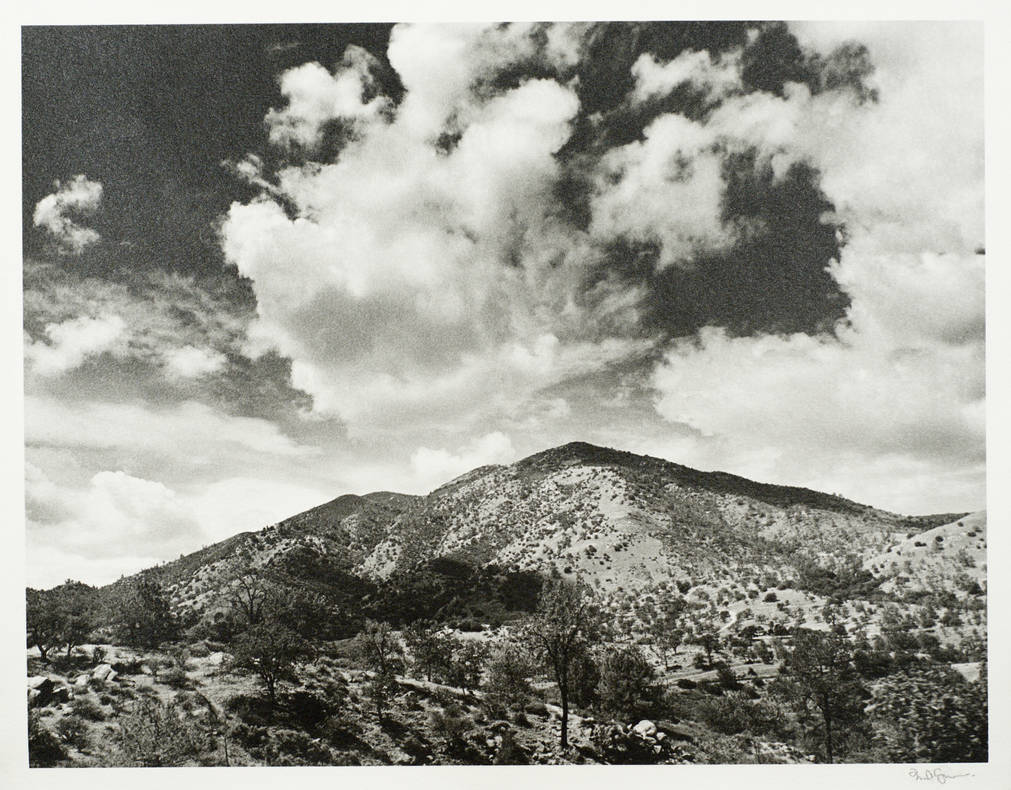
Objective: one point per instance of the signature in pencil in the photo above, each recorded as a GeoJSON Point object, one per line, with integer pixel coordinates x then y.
{"type": "Point", "coordinates": [932, 775]}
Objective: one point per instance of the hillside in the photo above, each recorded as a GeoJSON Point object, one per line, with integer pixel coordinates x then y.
{"type": "Point", "coordinates": [629, 526]}
{"type": "Point", "coordinates": [702, 580]}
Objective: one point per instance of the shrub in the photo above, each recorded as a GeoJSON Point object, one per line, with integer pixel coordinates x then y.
{"type": "Point", "coordinates": [174, 677]}
{"type": "Point", "coordinates": [156, 734]}
{"type": "Point", "coordinates": [627, 685]}
{"type": "Point", "coordinates": [87, 708]}
{"type": "Point", "coordinates": [450, 722]}
{"type": "Point", "coordinates": [73, 730]}
{"type": "Point", "coordinates": [932, 715]}
{"type": "Point", "coordinates": [44, 749]}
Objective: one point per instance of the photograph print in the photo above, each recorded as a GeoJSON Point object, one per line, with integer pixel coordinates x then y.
{"type": "Point", "coordinates": [585, 393]}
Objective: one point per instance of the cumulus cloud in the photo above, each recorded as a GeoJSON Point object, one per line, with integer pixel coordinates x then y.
{"type": "Point", "coordinates": [439, 466]}
{"type": "Point", "coordinates": [424, 282]}
{"type": "Point", "coordinates": [716, 76]}
{"type": "Point", "coordinates": [79, 196]}
{"type": "Point", "coordinates": [315, 97]}
{"type": "Point", "coordinates": [116, 513]}
{"type": "Point", "coordinates": [900, 387]}
{"type": "Point", "coordinates": [666, 189]}
{"type": "Point", "coordinates": [71, 342]}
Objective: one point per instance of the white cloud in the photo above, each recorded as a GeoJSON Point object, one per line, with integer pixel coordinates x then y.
{"type": "Point", "coordinates": [192, 362]}
{"type": "Point", "coordinates": [667, 188]}
{"type": "Point", "coordinates": [80, 195]}
{"type": "Point", "coordinates": [899, 394]}
{"type": "Point", "coordinates": [696, 68]}
{"type": "Point", "coordinates": [209, 436]}
{"type": "Point", "coordinates": [427, 285]}
{"type": "Point", "coordinates": [71, 342]}
{"type": "Point", "coordinates": [315, 97]}
{"type": "Point", "coordinates": [439, 466]}
{"type": "Point", "coordinates": [115, 514]}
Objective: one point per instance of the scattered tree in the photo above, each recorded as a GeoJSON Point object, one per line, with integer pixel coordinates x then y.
{"type": "Point", "coordinates": [566, 621]}
{"type": "Point", "coordinates": [270, 650]}
{"type": "Point", "coordinates": [824, 686]}
{"type": "Point", "coordinates": [627, 687]}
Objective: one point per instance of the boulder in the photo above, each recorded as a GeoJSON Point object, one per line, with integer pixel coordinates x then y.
{"type": "Point", "coordinates": [102, 672]}
{"type": "Point", "coordinates": [60, 695]}
{"type": "Point", "coordinates": [145, 669]}
{"type": "Point", "coordinates": [40, 691]}
{"type": "Point", "coordinates": [82, 681]}
{"type": "Point", "coordinates": [645, 729]}
{"type": "Point", "coordinates": [217, 658]}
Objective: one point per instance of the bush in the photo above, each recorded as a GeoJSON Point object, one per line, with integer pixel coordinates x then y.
{"type": "Point", "coordinates": [627, 686]}
{"type": "Point", "coordinates": [174, 677]}
{"type": "Point", "coordinates": [156, 734]}
{"type": "Point", "coordinates": [932, 715]}
{"type": "Point", "coordinates": [44, 749]}
{"type": "Point", "coordinates": [73, 730]}
{"type": "Point", "coordinates": [87, 708]}
{"type": "Point", "coordinates": [450, 723]}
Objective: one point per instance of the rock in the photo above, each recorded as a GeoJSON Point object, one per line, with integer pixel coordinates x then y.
{"type": "Point", "coordinates": [645, 729]}
{"type": "Point", "coordinates": [40, 691]}
{"type": "Point", "coordinates": [60, 695]}
{"type": "Point", "coordinates": [217, 658]}
{"type": "Point", "coordinates": [145, 669]}
{"type": "Point", "coordinates": [82, 681]}
{"type": "Point", "coordinates": [102, 671]}
{"type": "Point", "coordinates": [111, 676]}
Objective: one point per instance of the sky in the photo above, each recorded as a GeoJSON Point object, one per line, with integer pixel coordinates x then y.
{"type": "Point", "coordinates": [264, 266]}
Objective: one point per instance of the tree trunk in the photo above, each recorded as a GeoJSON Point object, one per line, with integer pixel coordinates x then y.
{"type": "Point", "coordinates": [565, 716]}
{"type": "Point", "coordinates": [828, 733]}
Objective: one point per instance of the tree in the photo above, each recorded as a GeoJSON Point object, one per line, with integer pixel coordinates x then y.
{"type": "Point", "coordinates": [824, 687]}
{"type": "Point", "coordinates": [62, 616]}
{"type": "Point", "coordinates": [429, 649]}
{"type": "Point", "coordinates": [466, 664]}
{"type": "Point", "coordinates": [666, 630]}
{"type": "Point", "coordinates": [43, 621]}
{"type": "Point", "coordinates": [381, 652]}
{"type": "Point", "coordinates": [141, 612]}
{"type": "Point", "coordinates": [932, 714]}
{"type": "Point", "coordinates": [76, 602]}
{"type": "Point", "coordinates": [508, 683]}
{"type": "Point", "coordinates": [270, 650]}
{"type": "Point", "coordinates": [566, 621]}
{"type": "Point", "coordinates": [707, 637]}
{"type": "Point", "coordinates": [627, 684]}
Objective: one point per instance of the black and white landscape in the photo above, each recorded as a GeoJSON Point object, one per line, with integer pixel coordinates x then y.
{"type": "Point", "coordinates": [540, 305]}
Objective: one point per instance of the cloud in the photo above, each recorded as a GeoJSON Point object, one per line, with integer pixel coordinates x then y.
{"type": "Point", "coordinates": [71, 342]}
{"type": "Point", "coordinates": [719, 76]}
{"type": "Point", "coordinates": [192, 362]}
{"type": "Point", "coordinates": [115, 514]}
{"type": "Point", "coordinates": [210, 436]}
{"type": "Point", "coordinates": [440, 466]}
{"type": "Point", "coordinates": [899, 388]}
{"type": "Point", "coordinates": [667, 189]}
{"type": "Point", "coordinates": [315, 97]}
{"type": "Point", "coordinates": [430, 281]}
{"type": "Point", "coordinates": [81, 196]}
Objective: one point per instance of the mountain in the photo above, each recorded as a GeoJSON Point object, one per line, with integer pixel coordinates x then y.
{"type": "Point", "coordinates": [629, 526]}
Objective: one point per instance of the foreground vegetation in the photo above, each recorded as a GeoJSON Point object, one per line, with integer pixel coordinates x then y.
{"type": "Point", "coordinates": [289, 669]}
